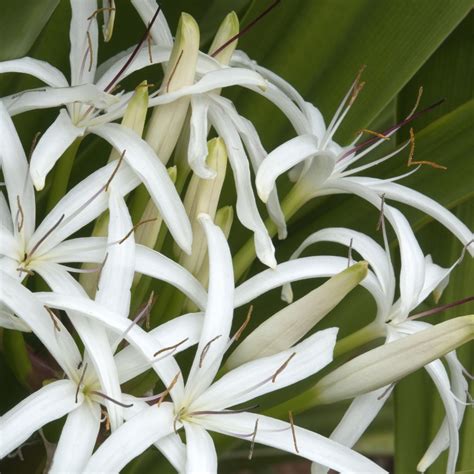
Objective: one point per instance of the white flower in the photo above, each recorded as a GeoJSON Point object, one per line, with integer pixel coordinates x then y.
{"type": "Point", "coordinates": [200, 405]}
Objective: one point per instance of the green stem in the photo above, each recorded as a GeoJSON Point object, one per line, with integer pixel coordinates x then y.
{"type": "Point", "coordinates": [62, 173]}
{"type": "Point", "coordinates": [16, 355]}
{"type": "Point", "coordinates": [244, 258]}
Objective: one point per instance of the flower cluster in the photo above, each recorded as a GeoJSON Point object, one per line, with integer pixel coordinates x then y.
{"type": "Point", "coordinates": [102, 355]}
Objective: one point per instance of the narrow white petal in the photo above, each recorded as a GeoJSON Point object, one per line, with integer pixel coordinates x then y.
{"type": "Point", "coordinates": [219, 310]}
{"type": "Point", "coordinates": [436, 278]}
{"type": "Point", "coordinates": [201, 453]}
{"type": "Point", "coordinates": [40, 69]}
{"type": "Point", "coordinates": [246, 206]}
{"type": "Point", "coordinates": [9, 245]}
{"type": "Point", "coordinates": [9, 321]}
{"type": "Point", "coordinates": [132, 438]}
{"type": "Point", "coordinates": [5, 216]}
{"type": "Point", "coordinates": [160, 31]}
{"type": "Point", "coordinates": [281, 159]}
{"type": "Point", "coordinates": [51, 146]}
{"type": "Point", "coordinates": [77, 441]}
{"type": "Point", "coordinates": [260, 376]}
{"type": "Point", "coordinates": [187, 328]}
{"type": "Point", "coordinates": [15, 174]}
{"type": "Point", "coordinates": [154, 264]}
{"type": "Point", "coordinates": [83, 35]}
{"type": "Point", "coordinates": [117, 273]}
{"type": "Point", "coordinates": [153, 174]}
{"type": "Point", "coordinates": [47, 404]}
{"type": "Point", "coordinates": [82, 249]}
{"type": "Point", "coordinates": [278, 434]}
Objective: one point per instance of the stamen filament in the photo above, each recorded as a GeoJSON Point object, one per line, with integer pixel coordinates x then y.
{"type": "Point", "coordinates": [80, 382]}
{"type": "Point", "coordinates": [239, 332]}
{"type": "Point", "coordinates": [171, 348]}
{"type": "Point", "coordinates": [168, 389]}
{"type": "Point", "coordinates": [134, 228]}
{"type": "Point", "coordinates": [441, 308]}
{"type": "Point", "coordinates": [293, 431]}
{"type": "Point", "coordinates": [282, 367]}
{"type": "Point", "coordinates": [381, 221]}
{"type": "Point", "coordinates": [224, 412]}
{"type": "Point", "coordinates": [174, 71]}
{"type": "Point", "coordinates": [54, 317]}
{"type": "Point", "coordinates": [206, 349]}
{"type": "Point", "coordinates": [252, 443]}
{"type": "Point", "coordinates": [20, 215]}
{"type": "Point", "coordinates": [110, 399]}
{"type": "Point", "coordinates": [45, 236]}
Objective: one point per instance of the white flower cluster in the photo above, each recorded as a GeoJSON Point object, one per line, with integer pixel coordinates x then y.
{"type": "Point", "coordinates": [91, 328]}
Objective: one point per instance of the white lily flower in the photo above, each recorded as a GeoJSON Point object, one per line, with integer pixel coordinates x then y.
{"type": "Point", "coordinates": [321, 167]}
{"type": "Point", "coordinates": [200, 405]}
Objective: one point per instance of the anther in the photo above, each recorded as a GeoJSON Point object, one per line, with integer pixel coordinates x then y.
{"type": "Point", "coordinates": [134, 228]}
{"type": "Point", "coordinates": [170, 348]}
{"type": "Point", "coordinates": [150, 56]}
{"type": "Point", "coordinates": [110, 399]}
{"type": "Point", "coordinates": [80, 382]}
{"type": "Point", "coordinates": [20, 215]}
{"type": "Point", "coordinates": [282, 367]}
{"type": "Point", "coordinates": [100, 10]}
{"type": "Point", "coordinates": [381, 221]}
{"type": "Point", "coordinates": [246, 29]}
{"type": "Point", "coordinates": [293, 431]}
{"type": "Point", "coordinates": [174, 71]}
{"type": "Point", "coordinates": [417, 102]}
{"type": "Point", "coordinates": [54, 317]}
{"type": "Point", "coordinates": [105, 418]}
{"type": "Point", "coordinates": [168, 389]}
{"type": "Point", "coordinates": [412, 162]}
{"type": "Point", "coordinates": [252, 442]}
{"type": "Point", "coordinates": [372, 132]}
{"type": "Point", "coordinates": [239, 332]}
{"type": "Point", "coordinates": [206, 349]}
{"type": "Point", "coordinates": [349, 253]}
{"type": "Point", "coordinates": [45, 236]}
{"type": "Point", "coordinates": [33, 145]}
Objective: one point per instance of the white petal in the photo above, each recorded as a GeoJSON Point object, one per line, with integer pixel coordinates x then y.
{"type": "Point", "coordinates": [197, 147]}
{"type": "Point", "coordinates": [131, 363]}
{"type": "Point", "coordinates": [160, 31]}
{"type": "Point", "coordinates": [83, 35]}
{"type": "Point", "coordinates": [436, 277]}
{"type": "Point", "coordinates": [117, 273]}
{"type": "Point", "coordinates": [278, 434]}
{"type": "Point", "coordinates": [218, 79]}
{"type": "Point", "coordinates": [15, 174]}
{"type": "Point", "coordinates": [78, 438]}
{"type": "Point", "coordinates": [154, 176]}
{"type": "Point", "coordinates": [219, 310]}
{"type": "Point", "coordinates": [257, 377]}
{"type": "Point", "coordinates": [47, 404]}
{"type": "Point", "coordinates": [5, 216]}
{"type": "Point", "coordinates": [246, 206]}
{"type": "Point", "coordinates": [40, 69]}
{"type": "Point", "coordinates": [82, 249]}
{"type": "Point", "coordinates": [132, 438]}
{"type": "Point", "coordinates": [57, 138]}
{"type": "Point", "coordinates": [9, 321]}
{"type": "Point", "coordinates": [425, 204]}
{"type": "Point", "coordinates": [281, 159]}
{"type": "Point", "coordinates": [9, 245]}
{"type": "Point", "coordinates": [201, 453]}
{"type": "Point", "coordinates": [154, 264]}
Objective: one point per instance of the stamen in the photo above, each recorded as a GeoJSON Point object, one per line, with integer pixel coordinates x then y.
{"type": "Point", "coordinates": [54, 317]}
{"type": "Point", "coordinates": [174, 71]}
{"type": "Point", "coordinates": [25, 270]}
{"type": "Point", "coordinates": [20, 215]}
{"type": "Point", "coordinates": [100, 10]}
{"type": "Point", "coordinates": [176, 418]}
{"type": "Point", "coordinates": [417, 102]}
{"type": "Point", "coordinates": [372, 132]}
{"type": "Point", "coordinates": [206, 349]}
{"type": "Point", "coordinates": [107, 184]}
{"type": "Point", "coordinates": [79, 365]}
{"type": "Point", "coordinates": [224, 412]}
{"type": "Point", "coordinates": [80, 382]}
{"type": "Point", "coordinates": [252, 443]}
{"type": "Point", "coordinates": [349, 253]}
{"type": "Point", "coordinates": [412, 162]}
{"type": "Point", "coordinates": [239, 332]}
{"type": "Point", "coordinates": [171, 348]}
{"type": "Point", "coordinates": [381, 221]}
{"type": "Point", "coordinates": [386, 391]}
{"type": "Point", "coordinates": [245, 30]}
{"type": "Point", "coordinates": [89, 50]}
{"type": "Point", "coordinates": [134, 52]}
{"type": "Point", "coordinates": [442, 308]}
{"type": "Point", "coordinates": [33, 145]}
{"type": "Point", "coordinates": [168, 389]}
{"type": "Point", "coordinates": [150, 56]}
{"type": "Point", "coordinates": [358, 86]}
{"type": "Point", "coordinates": [106, 419]}
{"type": "Point", "coordinates": [110, 399]}
{"type": "Point", "coordinates": [282, 367]}
{"type": "Point", "coordinates": [293, 431]}
{"type": "Point", "coordinates": [144, 312]}
{"type": "Point", "coordinates": [134, 228]}
{"type": "Point", "coordinates": [101, 267]}
{"type": "Point", "coordinates": [45, 236]}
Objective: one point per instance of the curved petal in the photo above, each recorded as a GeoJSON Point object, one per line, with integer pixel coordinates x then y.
{"type": "Point", "coordinates": [77, 441]}
{"type": "Point", "coordinates": [246, 206]}
{"type": "Point", "coordinates": [152, 263]}
{"type": "Point", "coordinates": [153, 174]}
{"type": "Point", "coordinates": [262, 376]}
{"type": "Point", "coordinates": [15, 173]}
{"type": "Point", "coordinates": [201, 453]}
{"type": "Point", "coordinates": [219, 311]}
{"type": "Point", "coordinates": [45, 405]}
{"type": "Point", "coordinates": [55, 141]}
{"type": "Point", "coordinates": [187, 328]}
{"type": "Point", "coordinates": [132, 438]}
{"type": "Point", "coordinates": [278, 434]}
{"type": "Point", "coordinates": [282, 159]}
{"type": "Point", "coordinates": [34, 67]}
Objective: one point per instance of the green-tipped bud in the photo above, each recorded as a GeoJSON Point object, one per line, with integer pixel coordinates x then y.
{"type": "Point", "coordinates": [224, 219]}
{"type": "Point", "coordinates": [288, 326]}
{"type": "Point", "coordinates": [391, 362]}
{"type": "Point", "coordinates": [203, 195]}
{"type": "Point", "coordinates": [167, 120]}
{"type": "Point", "coordinates": [227, 30]}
